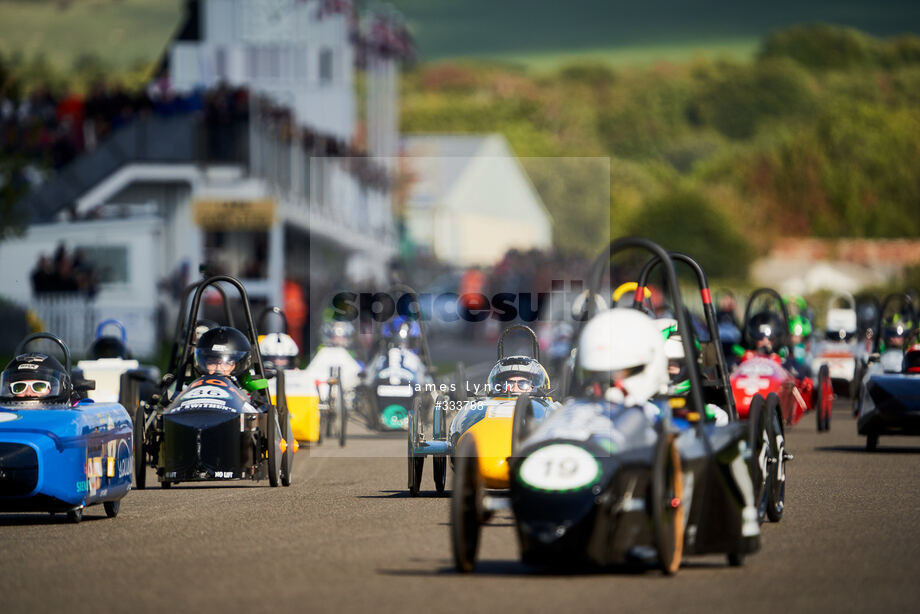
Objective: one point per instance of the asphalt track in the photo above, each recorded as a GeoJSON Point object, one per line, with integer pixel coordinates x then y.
{"type": "Point", "coordinates": [346, 537]}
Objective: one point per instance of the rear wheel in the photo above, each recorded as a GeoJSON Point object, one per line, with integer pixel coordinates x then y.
{"type": "Point", "coordinates": [667, 504]}
{"type": "Point", "coordinates": [111, 508]}
{"type": "Point", "coordinates": [273, 441]}
{"type": "Point", "coordinates": [466, 507]}
{"type": "Point", "coordinates": [758, 464]}
{"type": "Point", "coordinates": [735, 559]}
{"type": "Point", "coordinates": [776, 474]}
{"type": "Point", "coordinates": [824, 399]}
{"type": "Point", "coordinates": [872, 442]}
{"type": "Point", "coordinates": [75, 516]}
{"type": "Point", "coordinates": [521, 423]}
{"type": "Point", "coordinates": [140, 449]}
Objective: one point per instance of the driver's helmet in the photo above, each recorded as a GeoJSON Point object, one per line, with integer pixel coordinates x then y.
{"type": "Point", "coordinates": [108, 347]}
{"type": "Point", "coordinates": [799, 326]}
{"type": "Point", "coordinates": [515, 375]}
{"type": "Point", "coordinates": [35, 376]}
{"type": "Point", "coordinates": [223, 351]}
{"type": "Point", "coordinates": [202, 326]}
{"type": "Point", "coordinates": [673, 348]}
{"type": "Point", "coordinates": [912, 359]}
{"type": "Point", "coordinates": [338, 333]}
{"type": "Point", "coordinates": [621, 357]}
{"type": "Point", "coordinates": [764, 331]}
{"type": "Point", "coordinates": [893, 333]}
{"type": "Point", "coordinates": [402, 332]}
{"type": "Point", "coordinates": [278, 350]}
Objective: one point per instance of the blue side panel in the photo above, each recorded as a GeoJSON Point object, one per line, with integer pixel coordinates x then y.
{"type": "Point", "coordinates": [82, 456]}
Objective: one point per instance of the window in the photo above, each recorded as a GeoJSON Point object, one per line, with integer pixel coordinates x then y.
{"type": "Point", "coordinates": [325, 65]}
{"type": "Point", "coordinates": [109, 262]}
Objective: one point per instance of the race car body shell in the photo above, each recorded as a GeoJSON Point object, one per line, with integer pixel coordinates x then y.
{"type": "Point", "coordinates": [762, 375]}
{"type": "Point", "coordinates": [61, 458]}
{"type": "Point", "coordinates": [890, 405]}
{"type": "Point", "coordinates": [211, 431]}
{"type": "Point", "coordinates": [302, 402]}
{"type": "Point", "coordinates": [596, 512]}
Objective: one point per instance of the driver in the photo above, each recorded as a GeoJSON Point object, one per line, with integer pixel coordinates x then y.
{"type": "Point", "coordinates": [278, 350]}
{"type": "Point", "coordinates": [402, 332]}
{"type": "Point", "coordinates": [35, 376]}
{"type": "Point", "coordinates": [621, 358]}
{"type": "Point", "coordinates": [515, 375]}
{"type": "Point", "coordinates": [763, 331]}
{"type": "Point", "coordinates": [223, 351]}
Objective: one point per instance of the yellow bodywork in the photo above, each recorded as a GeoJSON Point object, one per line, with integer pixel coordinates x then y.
{"type": "Point", "coordinates": [304, 412]}
{"type": "Point", "coordinates": [493, 445]}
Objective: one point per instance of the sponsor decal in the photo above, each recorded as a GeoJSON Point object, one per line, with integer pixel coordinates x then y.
{"type": "Point", "coordinates": [560, 467]}
{"type": "Point", "coordinates": [206, 391]}
{"type": "Point", "coordinates": [394, 391]}
{"type": "Point", "coordinates": [218, 347]}
{"type": "Point", "coordinates": [202, 404]}
{"type": "Point", "coordinates": [502, 410]}
{"type": "Point", "coordinates": [6, 416]}
{"type": "Point", "coordinates": [28, 367]}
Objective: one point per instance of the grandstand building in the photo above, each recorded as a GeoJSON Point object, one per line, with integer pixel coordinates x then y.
{"type": "Point", "coordinates": [253, 159]}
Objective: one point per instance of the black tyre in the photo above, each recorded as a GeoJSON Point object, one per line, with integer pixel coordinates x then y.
{"type": "Point", "coordinates": [165, 485]}
{"type": "Point", "coordinates": [667, 504]}
{"type": "Point", "coordinates": [872, 442]}
{"type": "Point", "coordinates": [735, 559]}
{"type": "Point", "coordinates": [824, 399]}
{"type": "Point", "coordinates": [521, 423]}
{"type": "Point", "coordinates": [140, 449]}
{"type": "Point", "coordinates": [466, 507]}
{"type": "Point", "coordinates": [759, 442]}
{"type": "Point", "coordinates": [273, 442]}
{"type": "Point", "coordinates": [284, 415]}
{"type": "Point", "coordinates": [342, 410]}
{"type": "Point", "coordinates": [439, 472]}
{"type": "Point", "coordinates": [111, 508]}
{"type": "Point", "coordinates": [75, 516]}
{"type": "Point", "coordinates": [460, 382]}
{"type": "Point", "coordinates": [776, 474]}
{"type": "Point", "coordinates": [413, 436]}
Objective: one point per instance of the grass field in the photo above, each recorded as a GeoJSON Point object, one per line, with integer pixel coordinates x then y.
{"type": "Point", "coordinates": [536, 33]}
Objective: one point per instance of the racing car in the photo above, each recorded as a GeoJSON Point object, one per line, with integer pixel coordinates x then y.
{"type": "Point", "coordinates": [886, 400]}
{"type": "Point", "coordinates": [890, 402]}
{"type": "Point", "coordinates": [608, 478]}
{"type": "Point", "coordinates": [840, 349]}
{"type": "Point", "coordinates": [399, 376]}
{"type": "Point", "coordinates": [494, 420]}
{"type": "Point", "coordinates": [59, 451]}
{"type": "Point", "coordinates": [214, 419]}
{"type": "Point", "coordinates": [769, 367]}
{"type": "Point", "coordinates": [109, 361]}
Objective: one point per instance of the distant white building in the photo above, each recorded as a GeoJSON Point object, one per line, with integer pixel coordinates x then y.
{"type": "Point", "coordinates": [293, 185]}
{"type": "Point", "coordinates": [470, 199]}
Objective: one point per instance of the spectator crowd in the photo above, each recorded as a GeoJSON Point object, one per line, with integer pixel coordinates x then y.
{"type": "Point", "coordinates": [64, 272]}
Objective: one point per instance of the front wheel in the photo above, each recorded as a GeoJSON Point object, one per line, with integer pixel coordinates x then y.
{"type": "Point", "coordinates": [872, 442]}
{"type": "Point", "coordinates": [273, 441]}
{"type": "Point", "coordinates": [776, 475]}
{"type": "Point", "coordinates": [75, 516]}
{"type": "Point", "coordinates": [342, 413]}
{"type": "Point", "coordinates": [521, 423]}
{"type": "Point", "coordinates": [466, 511]}
{"type": "Point", "coordinates": [824, 399]}
{"type": "Point", "coordinates": [758, 464]}
{"type": "Point", "coordinates": [413, 436]}
{"type": "Point", "coordinates": [111, 508]}
{"type": "Point", "coordinates": [667, 504]}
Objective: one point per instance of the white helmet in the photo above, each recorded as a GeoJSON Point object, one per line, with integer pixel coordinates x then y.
{"type": "Point", "coordinates": [624, 340]}
{"type": "Point", "coordinates": [277, 349]}
{"type": "Point", "coordinates": [673, 343]}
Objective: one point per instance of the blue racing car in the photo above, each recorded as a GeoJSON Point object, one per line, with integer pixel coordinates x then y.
{"type": "Point", "coordinates": [59, 452]}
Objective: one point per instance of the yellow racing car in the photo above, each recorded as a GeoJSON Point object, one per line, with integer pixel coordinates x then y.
{"type": "Point", "coordinates": [492, 419]}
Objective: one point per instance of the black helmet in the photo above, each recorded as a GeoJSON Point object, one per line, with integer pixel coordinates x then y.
{"type": "Point", "coordinates": [223, 346]}
{"type": "Point", "coordinates": [108, 347]}
{"type": "Point", "coordinates": [764, 325]}
{"type": "Point", "coordinates": [517, 366]}
{"type": "Point", "coordinates": [35, 376]}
